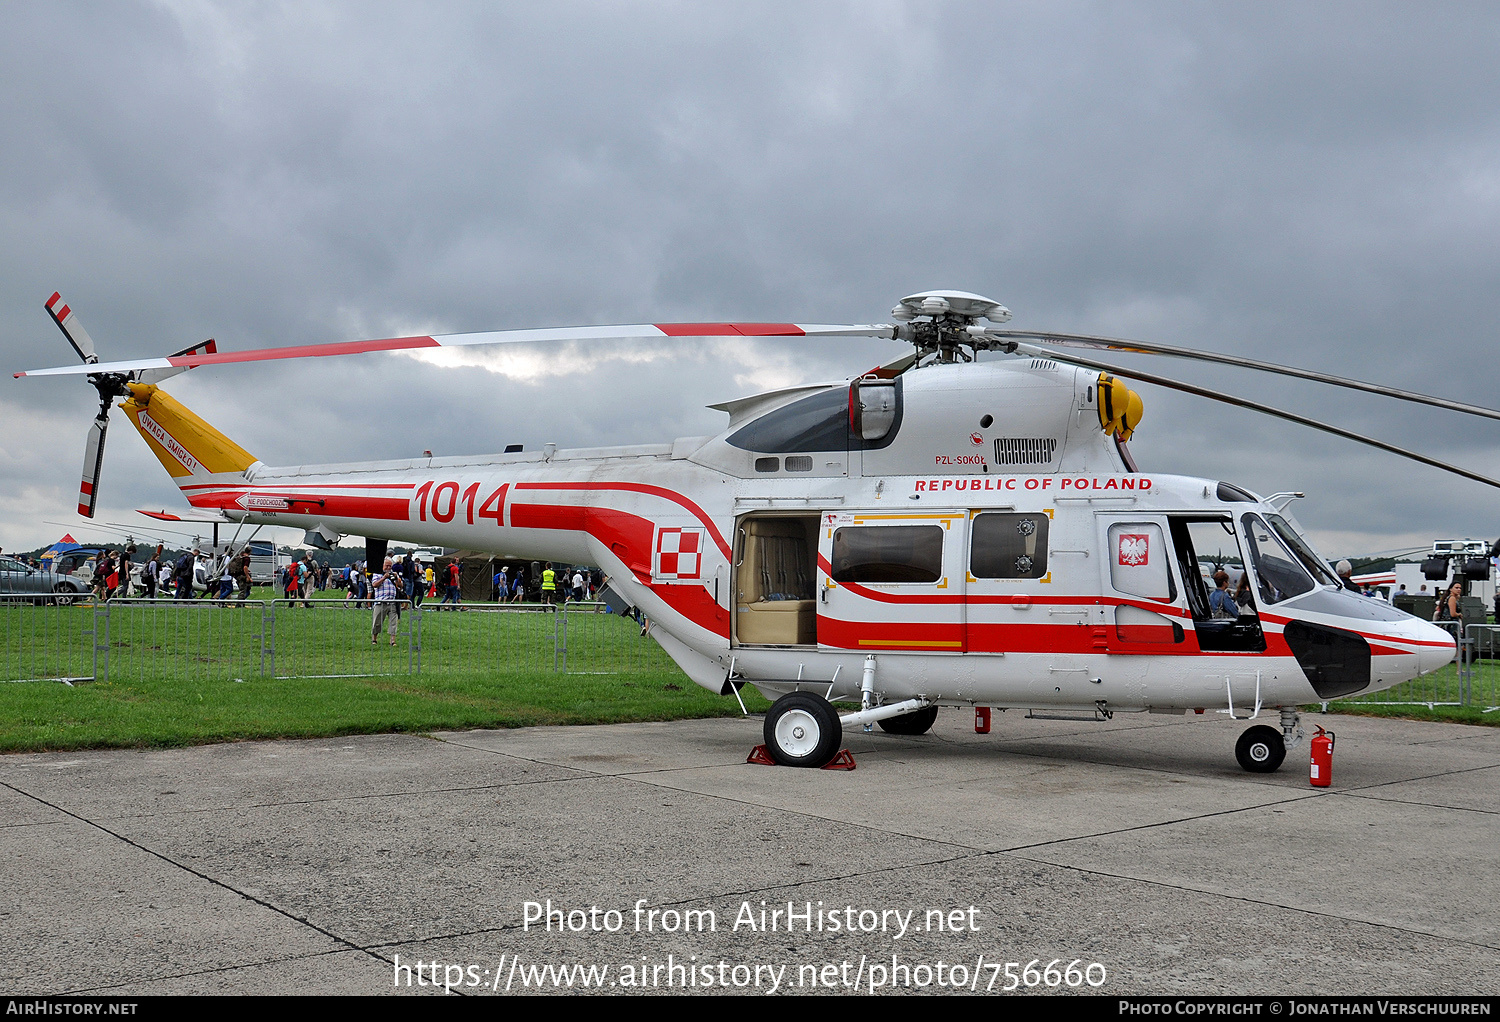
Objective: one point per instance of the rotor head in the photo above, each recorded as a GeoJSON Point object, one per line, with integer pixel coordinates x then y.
{"type": "Point", "coordinates": [944, 324]}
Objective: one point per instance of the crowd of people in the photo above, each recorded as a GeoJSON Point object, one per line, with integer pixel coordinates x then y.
{"type": "Point", "coordinates": [579, 583]}
{"type": "Point", "coordinates": [403, 581]}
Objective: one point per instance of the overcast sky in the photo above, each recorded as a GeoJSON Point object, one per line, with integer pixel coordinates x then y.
{"type": "Point", "coordinates": [1316, 184]}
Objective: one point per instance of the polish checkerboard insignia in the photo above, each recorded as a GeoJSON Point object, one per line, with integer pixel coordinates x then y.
{"type": "Point", "coordinates": [679, 555]}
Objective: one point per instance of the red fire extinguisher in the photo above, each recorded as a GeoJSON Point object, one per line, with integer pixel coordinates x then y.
{"type": "Point", "coordinates": [1321, 748]}
{"type": "Point", "coordinates": [981, 720]}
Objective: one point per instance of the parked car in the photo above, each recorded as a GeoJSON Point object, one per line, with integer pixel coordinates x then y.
{"type": "Point", "coordinates": [18, 582]}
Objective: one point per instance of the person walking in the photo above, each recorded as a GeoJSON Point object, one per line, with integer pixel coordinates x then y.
{"type": "Point", "coordinates": [418, 580]}
{"type": "Point", "coordinates": [150, 573]}
{"type": "Point", "coordinates": [455, 572]}
{"type": "Point", "coordinates": [182, 574]}
{"type": "Point", "coordinates": [241, 574]}
{"type": "Point", "coordinates": [309, 579]}
{"type": "Point", "coordinates": [124, 569]}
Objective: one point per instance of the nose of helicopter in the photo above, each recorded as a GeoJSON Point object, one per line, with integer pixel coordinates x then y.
{"type": "Point", "coordinates": [1437, 648]}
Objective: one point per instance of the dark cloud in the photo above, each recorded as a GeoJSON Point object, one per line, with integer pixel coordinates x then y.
{"type": "Point", "coordinates": [1315, 184]}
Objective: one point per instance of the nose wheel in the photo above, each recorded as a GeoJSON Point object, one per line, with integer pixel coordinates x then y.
{"type": "Point", "coordinates": [1260, 749]}
{"type": "Point", "coordinates": [803, 730]}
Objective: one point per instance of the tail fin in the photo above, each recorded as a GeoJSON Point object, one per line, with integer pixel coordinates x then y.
{"type": "Point", "coordinates": [186, 445]}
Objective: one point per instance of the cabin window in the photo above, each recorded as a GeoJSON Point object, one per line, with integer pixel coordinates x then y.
{"type": "Point", "coordinates": [1009, 545]}
{"type": "Point", "coordinates": [888, 553]}
{"type": "Point", "coordinates": [767, 464]}
{"type": "Point", "coordinates": [799, 463]}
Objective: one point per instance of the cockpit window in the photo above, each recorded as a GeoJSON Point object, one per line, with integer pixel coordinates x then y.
{"type": "Point", "coordinates": [1304, 551]}
{"type": "Point", "coordinates": [1279, 574]}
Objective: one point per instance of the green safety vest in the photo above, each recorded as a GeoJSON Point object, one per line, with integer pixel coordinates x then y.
{"type": "Point", "coordinates": [549, 580]}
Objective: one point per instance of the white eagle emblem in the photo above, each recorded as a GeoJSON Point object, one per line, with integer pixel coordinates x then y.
{"type": "Point", "coordinates": [1135, 549]}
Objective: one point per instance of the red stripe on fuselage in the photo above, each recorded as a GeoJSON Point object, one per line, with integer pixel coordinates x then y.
{"type": "Point", "coordinates": [1278, 619]}
{"type": "Point", "coordinates": [386, 509]}
{"type": "Point", "coordinates": [655, 491]}
{"type": "Point", "coordinates": [299, 486]}
{"type": "Point", "coordinates": [629, 537]}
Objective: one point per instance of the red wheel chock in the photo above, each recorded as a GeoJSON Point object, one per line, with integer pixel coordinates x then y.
{"type": "Point", "coordinates": [843, 761]}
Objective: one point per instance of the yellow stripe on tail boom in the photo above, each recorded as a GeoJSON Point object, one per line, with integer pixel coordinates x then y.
{"type": "Point", "coordinates": [181, 441]}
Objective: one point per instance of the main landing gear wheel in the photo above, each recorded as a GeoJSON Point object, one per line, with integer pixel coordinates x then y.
{"type": "Point", "coordinates": [1260, 749]}
{"type": "Point", "coordinates": [803, 730]}
{"type": "Point", "coordinates": [917, 722]}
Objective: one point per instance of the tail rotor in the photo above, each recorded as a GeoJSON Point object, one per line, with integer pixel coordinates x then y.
{"type": "Point", "coordinates": [109, 385]}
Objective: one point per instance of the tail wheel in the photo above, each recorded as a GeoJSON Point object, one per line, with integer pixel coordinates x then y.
{"type": "Point", "coordinates": [62, 595]}
{"type": "Point", "coordinates": [918, 722]}
{"type": "Point", "coordinates": [1260, 749]}
{"type": "Point", "coordinates": [803, 730]}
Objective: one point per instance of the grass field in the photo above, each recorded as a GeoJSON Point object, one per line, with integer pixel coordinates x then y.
{"type": "Point", "coordinates": [174, 675]}
{"type": "Point", "coordinates": [189, 675]}
{"type": "Point", "coordinates": [1441, 686]}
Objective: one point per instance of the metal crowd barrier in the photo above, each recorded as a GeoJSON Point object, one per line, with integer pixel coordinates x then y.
{"type": "Point", "coordinates": [54, 642]}
{"type": "Point", "coordinates": [138, 639]}
{"type": "Point", "coordinates": [591, 640]}
{"type": "Point", "coordinates": [133, 639]}
{"type": "Point", "coordinates": [579, 637]}
{"type": "Point", "coordinates": [503, 637]}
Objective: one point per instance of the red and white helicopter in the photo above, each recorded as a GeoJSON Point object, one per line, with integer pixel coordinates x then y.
{"type": "Point", "coordinates": [943, 531]}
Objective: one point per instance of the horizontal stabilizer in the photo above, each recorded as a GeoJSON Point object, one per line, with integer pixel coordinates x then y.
{"type": "Point", "coordinates": [186, 516]}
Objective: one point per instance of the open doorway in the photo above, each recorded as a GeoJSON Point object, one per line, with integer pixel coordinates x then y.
{"type": "Point", "coordinates": [776, 573]}
{"type": "Point", "coordinates": [1206, 547]}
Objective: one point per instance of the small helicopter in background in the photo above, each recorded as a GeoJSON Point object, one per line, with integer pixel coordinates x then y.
{"type": "Point", "coordinates": [943, 531]}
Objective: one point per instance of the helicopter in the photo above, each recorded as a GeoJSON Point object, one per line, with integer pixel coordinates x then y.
{"type": "Point", "coordinates": [941, 531]}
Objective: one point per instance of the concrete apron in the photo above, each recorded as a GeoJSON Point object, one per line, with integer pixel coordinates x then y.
{"type": "Point", "coordinates": [1136, 851]}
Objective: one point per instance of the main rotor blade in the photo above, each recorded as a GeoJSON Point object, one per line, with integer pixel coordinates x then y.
{"type": "Point", "coordinates": [639, 331]}
{"type": "Point", "coordinates": [93, 460]}
{"type": "Point", "coordinates": [1229, 399]}
{"type": "Point", "coordinates": [67, 321]}
{"type": "Point", "coordinates": [1151, 348]}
